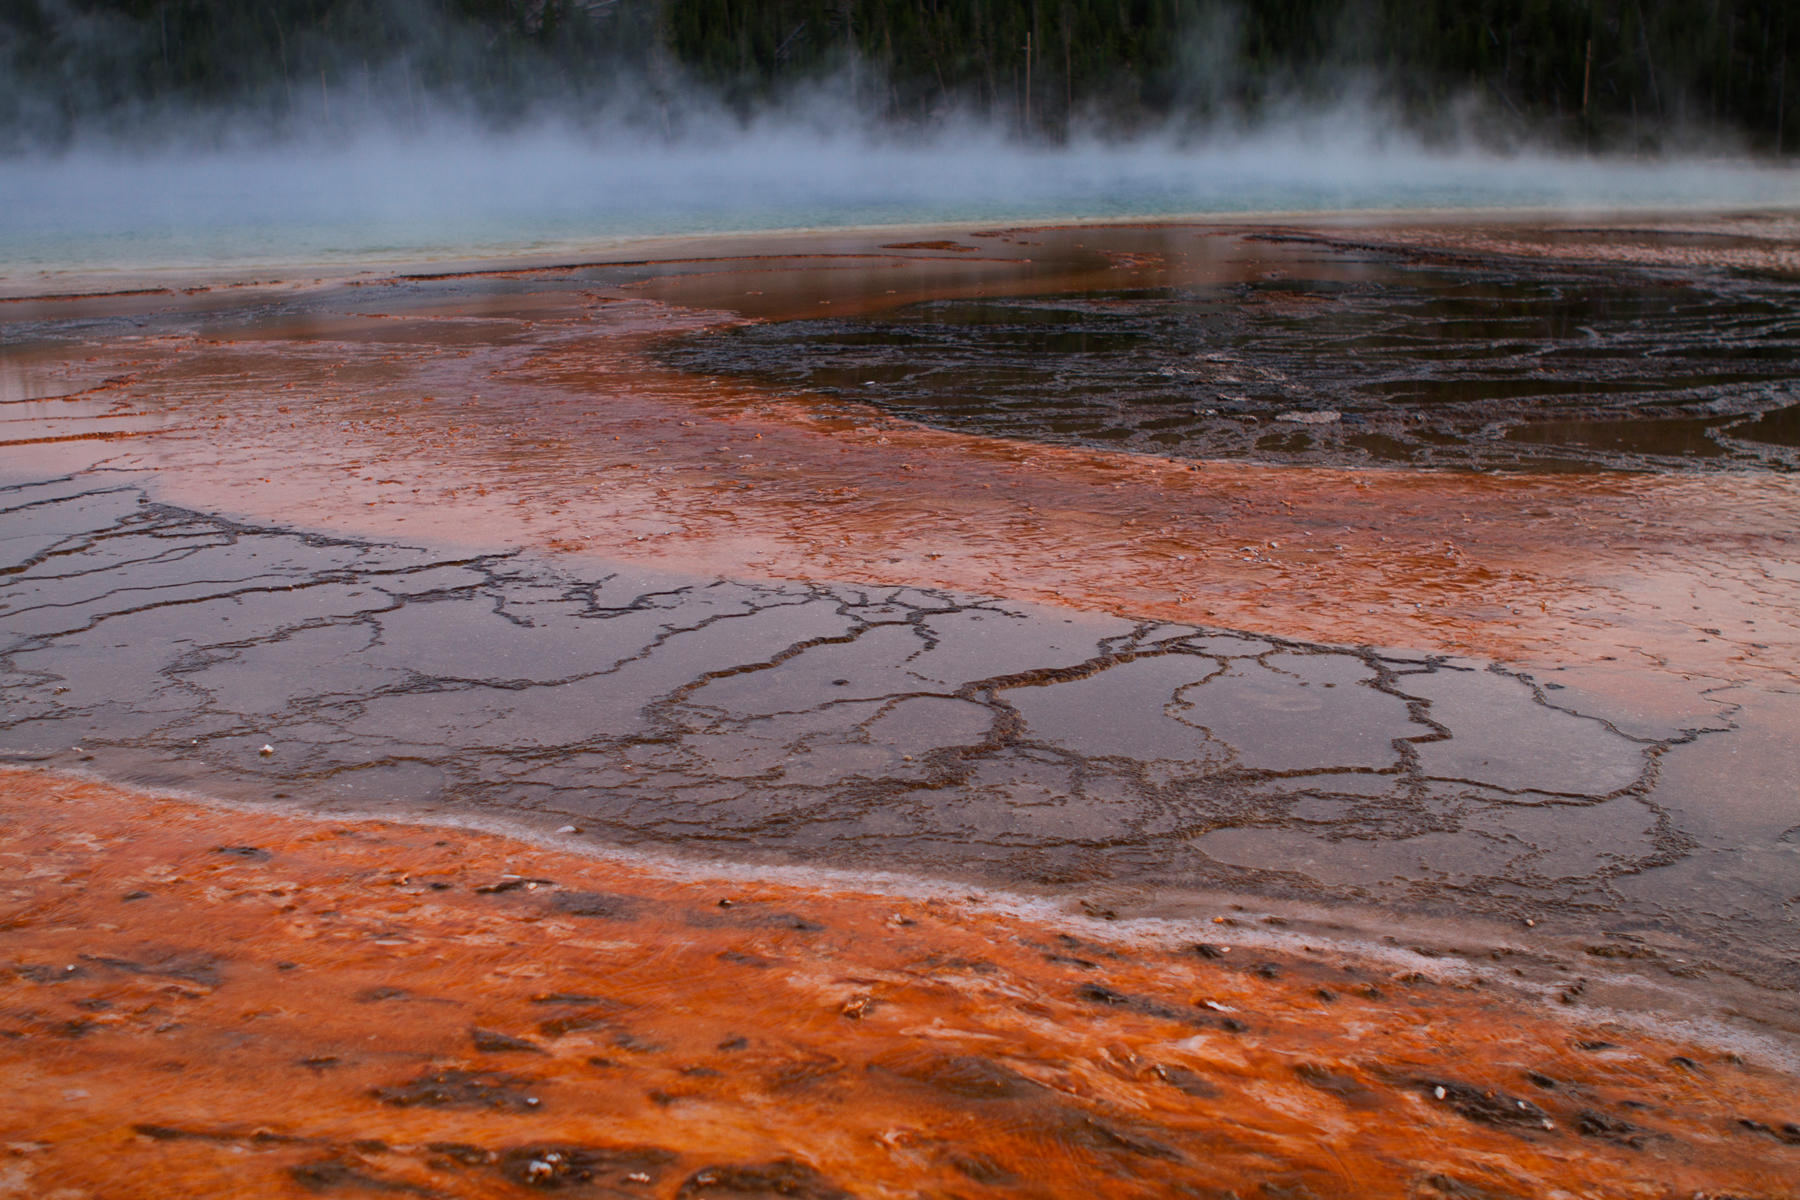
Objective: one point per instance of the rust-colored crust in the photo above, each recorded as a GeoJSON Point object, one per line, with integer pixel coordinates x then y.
{"type": "Point", "coordinates": [199, 1002]}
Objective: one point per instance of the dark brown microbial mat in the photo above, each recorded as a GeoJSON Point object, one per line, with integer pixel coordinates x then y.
{"type": "Point", "coordinates": [1333, 355]}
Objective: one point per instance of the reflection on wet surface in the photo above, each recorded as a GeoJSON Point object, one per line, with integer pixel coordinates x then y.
{"type": "Point", "coordinates": [470, 548]}
{"type": "Point", "coordinates": [902, 728]}
{"type": "Point", "coordinates": [1413, 364]}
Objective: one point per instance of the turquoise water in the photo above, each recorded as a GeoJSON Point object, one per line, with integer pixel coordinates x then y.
{"type": "Point", "coordinates": [459, 195]}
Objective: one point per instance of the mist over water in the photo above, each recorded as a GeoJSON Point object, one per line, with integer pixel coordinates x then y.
{"type": "Point", "coordinates": [453, 188]}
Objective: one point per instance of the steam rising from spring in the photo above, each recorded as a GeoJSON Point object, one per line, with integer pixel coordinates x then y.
{"type": "Point", "coordinates": [377, 188]}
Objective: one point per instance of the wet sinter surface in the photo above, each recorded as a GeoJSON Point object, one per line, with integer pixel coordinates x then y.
{"type": "Point", "coordinates": [898, 728]}
{"type": "Point", "coordinates": [1044, 630]}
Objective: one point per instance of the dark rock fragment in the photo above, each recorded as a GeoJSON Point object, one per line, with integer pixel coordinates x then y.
{"type": "Point", "coordinates": [1787, 1132]}
{"type": "Point", "coordinates": [1286, 1191]}
{"type": "Point", "coordinates": [1618, 950]}
{"type": "Point", "coordinates": [500, 1043]}
{"type": "Point", "coordinates": [743, 958]}
{"type": "Point", "coordinates": [1336, 1084]}
{"type": "Point", "coordinates": [46, 973]}
{"type": "Point", "coordinates": [201, 969]}
{"type": "Point", "coordinates": [376, 995]}
{"type": "Point", "coordinates": [559, 1166]}
{"type": "Point", "coordinates": [569, 998]}
{"type": "Point", "coordinates": [753, 916]}
{"type": "Point", "coordinates": [456, 1088]}
{"type": "Point", "coordinates": [603, 905]}
{"type": "Point", "coordinates": [462, 1152]}
{"type": "Point", "coordinates": [1069, 960]}
{"type": "Point", "coordinates": [784, 1177]}
{"type": "Point", "coordinates": [563, 1026]}
{"type": "Point", "coordinates": [981, 1168]}
{"type": "Point", "coordinates": [966, 1075]}
{"type": "Point", "coordinates": [1089, 1131]}
{"type": "Point", "coordinates": [174, 1133]}
{"type": "Point", "coordinates": [1103, 995]}
{"type": "Point", "coordinates": [512, 885]}
{"type": "Point", "coordinates": [1185, 1081]}
{"type": "Point", "coordinates": [1486, 1107]}
{"type": "Point", "coordinates": [1457, 1189]}
{"type": "Point", "coordinates": [1096, 994]}
{"type": "Point", "coordinates": [1594, 1124]}
{"type": "Point", "coordinates": [332, 1174]}
{"type": "Point", "coordinates": [251, 853]}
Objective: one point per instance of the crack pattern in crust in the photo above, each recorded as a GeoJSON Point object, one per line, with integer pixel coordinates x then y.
{"type": "Point", "coordinates": [901, 728]}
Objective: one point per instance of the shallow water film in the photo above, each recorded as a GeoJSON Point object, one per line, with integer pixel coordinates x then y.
{"type": "Point", "coordinates": [1101, 710]}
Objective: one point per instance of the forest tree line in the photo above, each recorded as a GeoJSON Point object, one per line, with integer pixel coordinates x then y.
{"type": "Point", "coordinates": [1614, 73]}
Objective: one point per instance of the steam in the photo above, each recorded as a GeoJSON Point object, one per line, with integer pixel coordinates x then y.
{"type": "Point", "coordinates": [392, 174]}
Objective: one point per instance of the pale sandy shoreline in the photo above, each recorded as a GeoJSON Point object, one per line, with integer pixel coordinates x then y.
{"type": "Point", "coordinates": [19, 283]}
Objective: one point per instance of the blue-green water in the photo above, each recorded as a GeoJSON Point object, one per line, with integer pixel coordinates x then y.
{"type": "Point", "coordinates": [465, 195]}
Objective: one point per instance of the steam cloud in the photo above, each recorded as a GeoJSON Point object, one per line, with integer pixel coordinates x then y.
{"type": "Point", "coordinates": [389, 172]}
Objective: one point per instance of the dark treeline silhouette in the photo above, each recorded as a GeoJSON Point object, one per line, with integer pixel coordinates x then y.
{"type": "Point", "coordinates": [1618, 71]}
{"type": "Point", "coordinates": [1614, 73]}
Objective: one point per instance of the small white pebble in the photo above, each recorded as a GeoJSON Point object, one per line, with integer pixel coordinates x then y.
{"type": "Point", "coordinates": [637, 1177]}
{"type": "Point", "coordinates": [266, 750]}
{"type": "Point", "coordinates": [1439, 1092]}
{"type": "Point", "coordinates": [568, 829]}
